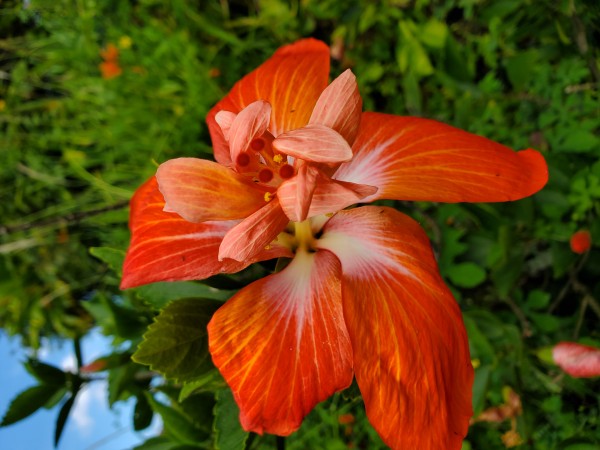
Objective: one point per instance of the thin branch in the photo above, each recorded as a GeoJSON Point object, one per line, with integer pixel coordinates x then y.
{"type": "Point", "coordinates": [582, 43]}
{"type": "Point", "coordinates": [525, 325]}
{"type": "Point", "coordinates": [68, 219]}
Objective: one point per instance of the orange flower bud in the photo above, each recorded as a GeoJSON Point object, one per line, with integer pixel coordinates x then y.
{"type": "Point", "coordinates": [581, 241]}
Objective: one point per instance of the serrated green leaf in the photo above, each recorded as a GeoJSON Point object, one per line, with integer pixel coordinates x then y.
{"type": "Point", "coordinates": [111, 256]}
{"type": "Point", "coordinates": [177, 425]}
{"type": "Point", "coordinates": [45, 373]}
{"type": "Point", "coordinates": [467, 274]}
{"type": "Point", "coordinates": [28, 402]}
{"type": "Point", "coordinates": [176, 344]}
{"type": "Point", "coordinates": [229, 434]}
{"type": "Point", "coordinates": [159, 294]}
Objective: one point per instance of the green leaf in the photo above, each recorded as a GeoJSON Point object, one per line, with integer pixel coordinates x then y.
{"type": "Point", "coordinates": [546, 323]}
{"type": "Point", "coordinates": [61, 420]}
{"type": "Point", "coordinates": [545, 354]}
{"type": "Point", "coordinates": [159, 294]}
{"type": "Point", "coordinates": [210, 381]}
{"type": "Point", "coordinates": [28, 402]}
{"type": "Point", "coordinates": [177, 425]}
{"type": "Point", "coordinates": [163, 443]}
{"type": "Point", "coordinates": [480, 345]}
{"type": "Point", "coordinates": [142, 415]}
{"type": "Point", "coordinates": [111, 256]}
{"type": "Point", "coordinates": [466, 275]}
{"type": "Point", "coordinates": [579, 141]}
{"type": "Point", "coordinates": [45, 373]}
{"type": "Point", "coordinates": [121, 380]}
{"type": "Point", "coordinates": [229, 434]}
{"type": "Point", "coordinates": [521, 69]}
{"type": "Point", "coordinates": [434, 33]}
{"type": "Point", "coordinates": [176, 344]}
{"type": "Point", "coordinates": [480, 388]}
{"type": "Point", "coordinates": [537, 299]}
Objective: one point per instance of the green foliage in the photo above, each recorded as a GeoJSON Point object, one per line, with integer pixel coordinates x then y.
{"type": "Point", "coordinates": [75, 146]}
{"type": "Point", "coordinates": [229, 434]}
{"type": "Point", "coordinates": [176, 344]}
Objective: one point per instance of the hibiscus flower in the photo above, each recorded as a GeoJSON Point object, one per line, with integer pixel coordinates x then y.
{"type": "Point", "coordinates": [362, 295]}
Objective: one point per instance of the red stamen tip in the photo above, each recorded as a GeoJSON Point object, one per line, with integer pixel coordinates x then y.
{"type": "Point", "coordinates": [243, 159]}
{"type": "Point", "coordinates": [286, 171]}
{"type": "Point", "coordinates": [265, 175]}
{"type": "Point", "coordinates": [257, 144]}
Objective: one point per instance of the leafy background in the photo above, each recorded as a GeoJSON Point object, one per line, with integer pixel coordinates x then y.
{"type": "Point", "coordinates": [74, 146]}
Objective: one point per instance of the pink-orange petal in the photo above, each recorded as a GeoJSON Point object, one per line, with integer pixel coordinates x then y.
{"type": "Point", "coordinates": [295, 194]}
{"type": "Point", "coordinates": [411, 354]}
{"type": "Point", "coordinates": [331, 195]}
{"type": "Point", "coordinates": [578, 360]}
{"type": "Point", "coordinates": [314, 143]}
{"type": "Point", "coordinates": [165, 247]}
{"type": "Point", "coordinates": [302, 199]}
{"type": "Point", "coordinates": [254, 234]}
{"type": "Point", "coordinates": [281, 344]}
{"type": "Point", "coordinates": [410, 158]}
{"type": "Point", "coordinates": [250, 123]}
{"type": "Point", "coordinates": [225, 119]}
{"type": "Point", "coordinates": [200, 190]}
{"type": "Point", "coordinates": [291, 81]}
{"type": "Point", "coordinates": [339, 107]}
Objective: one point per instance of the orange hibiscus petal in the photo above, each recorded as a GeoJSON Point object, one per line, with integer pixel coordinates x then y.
{"type": "Point", "coordinates": [315, 143]}
{"type": "Point", "coordinates": [281, 344]}
{"type": "Point", "coordinates": [580, 361]}
{"type": "Point", "coordinates": [410, 158]}
{"type": "Point", "coordinates": [411, 354]}
{"type": "Point", "coordinates": [165, 247]}
{"type": "Point", "coordinates": [291, 81]}
{"type": "Point", "coordinates": [339, 106]}
{"type": "Point", "coordinates": [200, 190]}
{"type": "Point", "coordinates": [254, 234]}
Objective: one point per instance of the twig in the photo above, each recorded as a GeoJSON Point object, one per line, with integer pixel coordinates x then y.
{"type": "Point", "coordinates": [572, 278]}
{"type": "Point", "coordinates": [580, 317]}
{"type": "Point", "coordinates": [525, 325]}
{"type": "Point", "coordinates": [582, 43]}
{"type": "Point", "coordinates": [68, 219]}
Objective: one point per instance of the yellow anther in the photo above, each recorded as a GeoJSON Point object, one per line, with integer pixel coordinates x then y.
{"type": "Point", "coordinates": [278, 159]}
{"type": "Point", "coordinates": [329, 214]}
{"type": "Point", "coordinates": [268, 196]}
{"type": "Point", "coordinates": [267, 247]}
